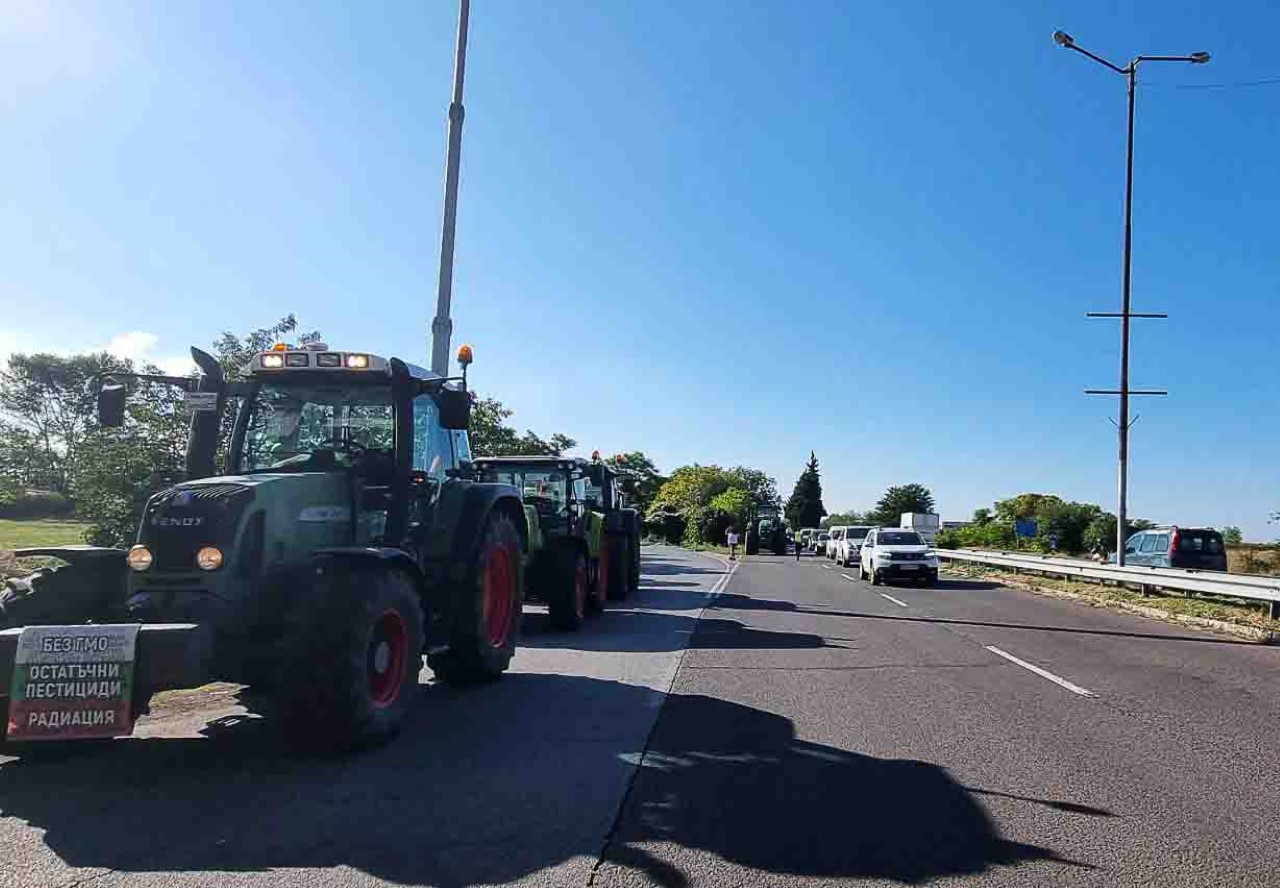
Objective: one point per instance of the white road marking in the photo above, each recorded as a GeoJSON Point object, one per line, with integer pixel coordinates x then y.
{"type": "Point", "coordinates": [847, 577]}
{"type": "Point", "coordinates": [1043, 673]}
{"type": "Point", "coordinates": [826, 567]}
{"type": "Point", "coordinates": [894, 600]}
{"type": "Point", "coordinates": [723, 580]}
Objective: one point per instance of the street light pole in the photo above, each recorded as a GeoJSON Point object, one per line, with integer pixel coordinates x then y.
{"type": "Point", "coordinates": [442, 326]}
{"type": "Point", "coordinates": [1122, 425]}
{"type": "Point", "coordinates": [1066, 41]}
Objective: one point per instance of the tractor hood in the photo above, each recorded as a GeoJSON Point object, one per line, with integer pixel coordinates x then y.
{"type": "Point", "coordinates": [300, 510]}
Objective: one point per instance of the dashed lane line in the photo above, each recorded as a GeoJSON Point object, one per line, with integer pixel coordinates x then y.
{"type": "Point", "coordinates": [1043, 673]}
{"type": "Point", "coordinates": [894, 600]}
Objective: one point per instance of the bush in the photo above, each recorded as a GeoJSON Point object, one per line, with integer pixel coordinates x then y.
{"type": "Point", "coordinates": [995, 535]}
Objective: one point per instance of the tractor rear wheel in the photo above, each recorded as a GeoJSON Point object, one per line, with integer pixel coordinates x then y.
{"type": "Point", "coordinates": [633, 543]}
{"type": "Point", "coordinates": [567, 598]}
{"type": "Point", "coordinates": [619, 567]}
{"type": "Point", "coordinates": [487, 626]}
{"type": "Point", "coordinates": [353, 653]}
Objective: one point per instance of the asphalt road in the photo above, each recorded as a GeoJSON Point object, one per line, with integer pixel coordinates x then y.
{"type": "Point", "coordinates": [519, 781]}
{"type": "Point", "coordinates": [798, 728]}
{"type": "Point", "coordinates": [821, 729]}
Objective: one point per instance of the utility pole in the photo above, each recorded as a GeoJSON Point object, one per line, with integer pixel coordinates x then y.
{"type": "Point", "coordinates": [442, 326]}
{"type": "Point", "coordinates": [1066, 41]}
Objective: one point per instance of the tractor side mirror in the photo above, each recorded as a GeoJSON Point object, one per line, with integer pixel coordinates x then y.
{"type": "Point", "coordinates": [111, 398]}
{"type": "Point", "coordinates": [455, 409]}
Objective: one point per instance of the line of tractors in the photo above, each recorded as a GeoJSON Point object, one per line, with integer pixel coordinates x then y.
{"type": "Point", "coordinates": [345, 533]}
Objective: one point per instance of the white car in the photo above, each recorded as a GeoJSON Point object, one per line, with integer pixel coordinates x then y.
{"type": "Point", "coordinates": [849, 548]}
{"type": "Point", "coordinates": [889, 553]}
{"type": "Point", "coordinates": [835, 535]}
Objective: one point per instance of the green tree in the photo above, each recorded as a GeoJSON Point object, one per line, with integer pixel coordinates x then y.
{"type": "Point", "coordinates": [735, 503]}
{"type": "Point", "coordinates": [118, 470]}
{"type": "Point", "coordinates": [982, 516]}
{"type": "Point", "coordinates": [899, 499]}
{"type": "Point", "coordinates": [1232, 535]}
{"type": "Point", "coordinates": [839, 519]}
{"type": "Point", "coordinates": [641, 477]}
{"type": "Point", "coordinates": [804, 508]}
{"type": "Point", "coordinates": [491, 436]}
{"type": "Point", "coordinates": [234, 352]}
{"type": "Point", "coordinates": [688, 488]}
{"type": "Point", "coordinates": [48, 405]}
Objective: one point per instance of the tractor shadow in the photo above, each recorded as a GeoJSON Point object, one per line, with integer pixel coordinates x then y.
{"type": "Point", "coordinates": [496, 783]}
{"type": "Point", "coordinates": [642, 631]}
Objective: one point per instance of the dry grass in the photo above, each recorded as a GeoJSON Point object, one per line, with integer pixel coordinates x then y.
{"type": "Point", "coordinates": [1239, 613]}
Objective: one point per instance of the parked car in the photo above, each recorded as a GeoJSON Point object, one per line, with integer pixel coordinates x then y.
{"type": "Point", "coordinates": [1200, 548]}
{"type": "Point", "coordinates": [889, 553]}
{"type": "Point", "coordinates": [802, 539]}
{"type": "Point", "coordinates": [849, 549]}
{"type": "Point", "coordinates": [818, 542]}
{"type": "Point", "coordinates": [834, 536]}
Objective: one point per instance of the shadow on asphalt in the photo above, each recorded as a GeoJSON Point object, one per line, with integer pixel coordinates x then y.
{"type": "Point", "coordinates": [734, 781]}
{"type": "Point", "coordinates": [639, 630]}
{"type": "Point", "coordinates": [947, 621]}
{"type": "Point", "coordinates": [496, 783]}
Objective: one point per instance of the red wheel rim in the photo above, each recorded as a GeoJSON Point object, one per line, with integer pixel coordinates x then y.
{"type": "Point", "coordinates": [388, 658]}
{"type": "Point", "coordinates": [499, 577]}
{"type": "Point", "coordinates": [580, 588]}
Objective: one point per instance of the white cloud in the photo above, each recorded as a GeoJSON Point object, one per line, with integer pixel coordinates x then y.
{"type": "Point", "coordinates": [135, 345]}
{"type": "Point", "coordinates": [139, 347]}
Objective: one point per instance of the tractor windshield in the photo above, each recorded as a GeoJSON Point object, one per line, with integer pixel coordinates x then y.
{"type": "Point", "coordinates": [317, 428]}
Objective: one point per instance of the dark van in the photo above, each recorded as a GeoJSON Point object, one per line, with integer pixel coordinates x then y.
{"type": "Point", "coordinates": [1194, 547]}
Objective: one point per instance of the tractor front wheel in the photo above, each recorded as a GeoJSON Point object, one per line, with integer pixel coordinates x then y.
{"type": "Point", "coordinates": [485, 629]}
{"type": "Point", "coordinates": [354, 649]}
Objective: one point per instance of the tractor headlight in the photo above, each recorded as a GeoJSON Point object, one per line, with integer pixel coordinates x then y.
{"type": "Point", "coordinates": [139, 558]}
{"type": "Point", "coordinates": [209, 558]}
{"type": "Point", "coordinates": [272, 362]}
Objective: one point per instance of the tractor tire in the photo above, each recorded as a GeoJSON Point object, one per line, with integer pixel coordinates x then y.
{"type": "Point", "coordinates": [484, 634]}
{"type": "Point", "coordinates": [619, 578]}
{"type": "Point", "coordinates": [66, 595]}
{"type": "Point", "coordinates": [595, 593]}
{"type": "Point", "coordinates": [567, 598]}
{"type": "Point", "coordinates": [351, 656]}
{"type": "Point", "coordinates": [634, 577]}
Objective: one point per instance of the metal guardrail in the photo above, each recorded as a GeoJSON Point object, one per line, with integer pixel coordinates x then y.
{"type": "Point", "coordinates": [1145, 578]}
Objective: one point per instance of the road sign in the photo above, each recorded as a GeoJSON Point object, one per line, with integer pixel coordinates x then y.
{"type": "Point", "coordinates": [1025, 527]}
{"type": "Point", "coordinates": [200, 401]}
{"type": "Point", "coordinates": [72, 683]}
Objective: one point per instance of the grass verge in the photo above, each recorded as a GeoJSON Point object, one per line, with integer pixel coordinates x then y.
{"type": "Point", "coordinates": [22, 534]}
{"type": "Point", "coordinates": [1250, 615]}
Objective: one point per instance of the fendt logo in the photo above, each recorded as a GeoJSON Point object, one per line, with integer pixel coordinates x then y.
{"type": "Point", "coordinates": [165, 521]}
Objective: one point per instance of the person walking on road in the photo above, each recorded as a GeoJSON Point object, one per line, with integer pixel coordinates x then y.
{"type": "Point", "coordinates": [731, 537]}
{"type": "Point", "coordinates": [795, 540]}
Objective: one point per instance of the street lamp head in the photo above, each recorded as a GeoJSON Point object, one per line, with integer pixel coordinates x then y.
{"type": "Point", "coordinates": [1063, 39]}
{"type": "Point", "coordinates": [1199, 58]}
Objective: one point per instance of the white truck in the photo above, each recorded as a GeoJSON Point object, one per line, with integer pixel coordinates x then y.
{"type": "Point", "coordinates": [924, 523]}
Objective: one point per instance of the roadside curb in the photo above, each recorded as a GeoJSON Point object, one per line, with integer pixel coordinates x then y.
{"type": "Point", "coordinates": [1249, 633]}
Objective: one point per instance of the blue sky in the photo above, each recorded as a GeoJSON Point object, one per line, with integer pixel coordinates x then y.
{"type": "Point", "coordinates": [871, 230]}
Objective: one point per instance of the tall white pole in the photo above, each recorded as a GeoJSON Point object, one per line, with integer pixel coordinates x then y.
{"type": "Point", "coordinates": [442, 326]}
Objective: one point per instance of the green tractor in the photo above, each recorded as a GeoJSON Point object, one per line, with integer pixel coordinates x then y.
{"type": "Point", "coordinates": [565, 536]}
{"type": "Point", "coordinates": [346, 540]}
{"type": "Point", "coordinates": [609, 493]}
{"type": "Point", "coordinates": [766, 530]}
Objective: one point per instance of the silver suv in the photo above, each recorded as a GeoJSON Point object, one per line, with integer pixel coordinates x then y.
{"type": "Point", "coordinates": [849, 547]}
